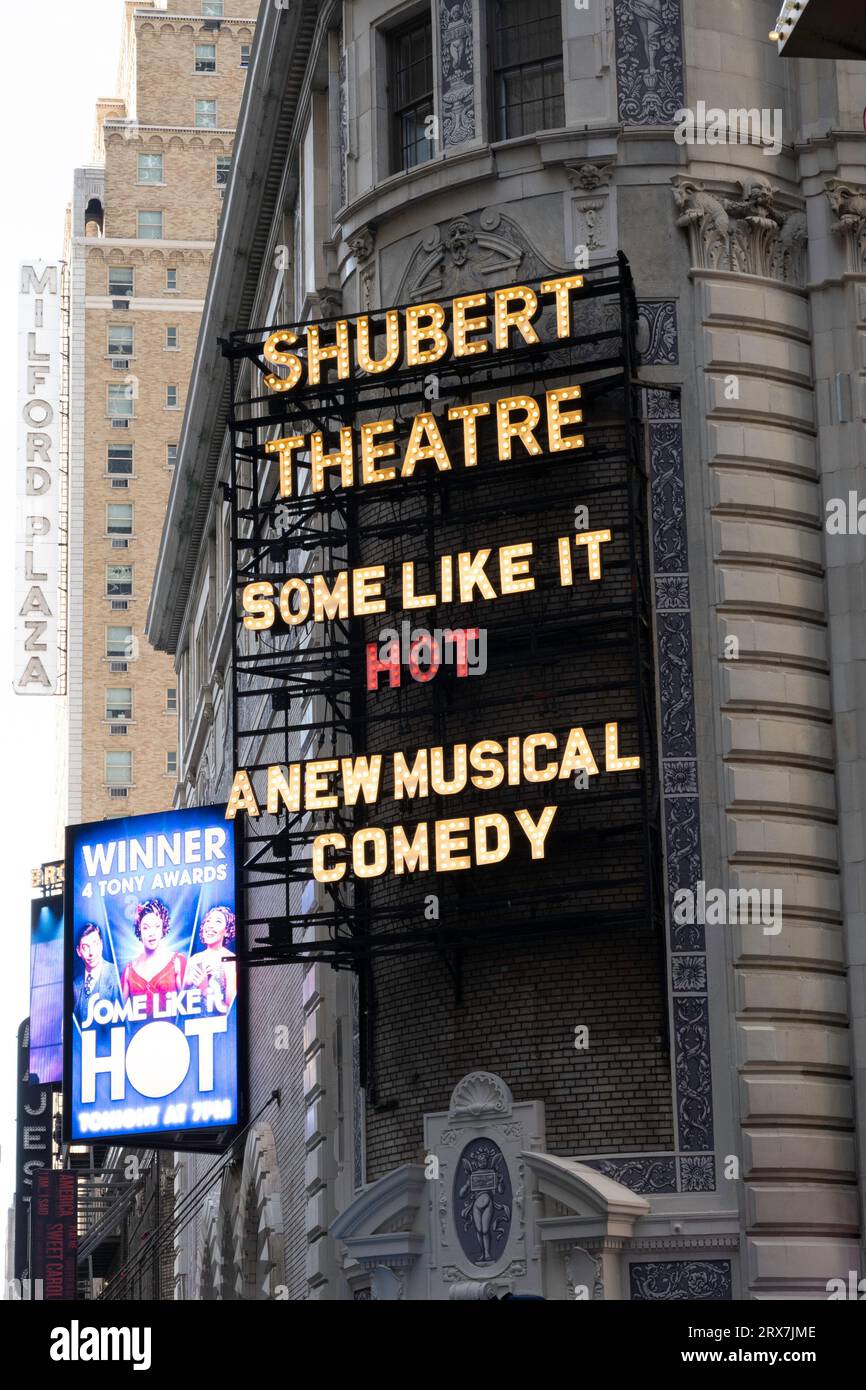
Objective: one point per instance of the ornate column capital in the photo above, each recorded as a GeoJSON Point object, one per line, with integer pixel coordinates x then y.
{"type": "Point", "coordinates": [848, 202]}
{"type": "Point", "coordinates": [754, 232]}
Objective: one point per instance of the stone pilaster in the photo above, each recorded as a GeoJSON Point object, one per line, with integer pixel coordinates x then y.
{"type": "Point", "coordinates": [769, 644]}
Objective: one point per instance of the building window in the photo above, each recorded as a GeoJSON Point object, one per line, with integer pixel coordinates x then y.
{"type": "Point", "coordinates": [171, 400]}
{"type": "Point", "coordinates": [245, 55]}
{"type": "Point", "coordinates": [119, 459]}
{"type": "Point", "coordinates": [223, 165]}
{"type": "Point", "coordinates": [206, 113]}
{"type": "Point", "coordinates": [118, 581]}
{"type": "Point", "coordinates": [119, 519]}
{"type": "Point", "coordinates": [527, 67]}
{"type": "Point", "coordinates": [201, 671]}
{"type": "Point", "coordinates": [119, 642]}
{"type": "Point", "coordinates": [411, 63]}
{"type": "Point", "coordinates": [118, 702]}
{"type": "Point", "coordinates": [213, 9]}
{"type": "Point", "coordinates": [150, 226]}
{"type": "Point", "coordinates": [171, 700]}
{"type": "Point", "coordinates": [118, 769]}
{"type": "Point", "coordinates": [223, 553]}
{"type": "Point", "coordinates": [171, 764]}
{"type": "Point", "coordinates": [120, 281]}
{"type": "Point", "coordinates": [120, 340]}
{"type": "Point", "coordinates": [205, 57]}
{"type": "Point", "coordinates": [150, 168]}
{"type": "Point", "coordinates": [171, 279]}
{"type": "Point", "coordinates": [170, 455]}
{"type": "Point", "coordinates": [120, 399]}
{"type": "Point", "coordinates": [171, 337]}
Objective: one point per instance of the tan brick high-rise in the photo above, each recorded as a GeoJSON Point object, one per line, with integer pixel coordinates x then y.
{"type": "Point", "coordinates": [139, 239]}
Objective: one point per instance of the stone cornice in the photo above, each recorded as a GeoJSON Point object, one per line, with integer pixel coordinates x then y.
{"type": "Point", "coordinates": [130, 129]}
{"type": "Point", "coordinates": [594, 1245]}
{"type": "Point", "coordinates": [174, 21]}
{"type": "Point", "coordinates": [684, 1242]}
{"type": "Point", "coordinates": [105, 303]}
{"type": "Point", "coordinates": [397, 1194]}
{"type": "Point", "coordinates": [144, 245]}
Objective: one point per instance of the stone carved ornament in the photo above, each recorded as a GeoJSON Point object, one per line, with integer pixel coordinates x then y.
{"type": "Point", "coordinates": [589, 177]}
{"type": "Point", "coordinates": [592, 219]}
{"type": "Point", "coordinates": [848, 202]}
{"type": "Point", "coordinates": [749, 234]}
{"type": "Point", "coordinates": [480, 1095]}
{"type": "Point", "coordinates": [362, 245]}
{"type": "Point", "coordinates": [463, 250]}
{"type": "Point", "coordinates": [574, 1273]}
{"type": "Point", "coordinates": [330, 302]}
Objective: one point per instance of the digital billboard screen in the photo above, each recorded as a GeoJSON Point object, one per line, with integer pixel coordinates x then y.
{"type": "Point", "coordinates": [46, 990]}
{"type": "Point", "coordinates": [151, 998]}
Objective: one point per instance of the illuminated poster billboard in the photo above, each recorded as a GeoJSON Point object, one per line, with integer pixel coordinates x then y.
{"type": "Point", "coordinates": [46, 990]}
{"type": "Point", "coordinates": [151, 999]}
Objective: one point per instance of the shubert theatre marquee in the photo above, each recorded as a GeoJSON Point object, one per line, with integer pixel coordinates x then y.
{"type": "Point", "coordinates": [445, 750]}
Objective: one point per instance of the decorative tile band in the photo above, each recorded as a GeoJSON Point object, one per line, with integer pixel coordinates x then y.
{"type": "Point", "coordinates": [456, 44]}
{"type": "Point", "coordinates": [657, 340]}
{"type": "Point", "coordinates": [649, 61]}
{"type": "Point", "coordinates": [656, 1173]}
{"type": "Point", "coordinates": [693, 1281]}
{"type": "Point", "coordinates": [680, 791]}
{"type": "Point", "coordinates": [697, 1173]}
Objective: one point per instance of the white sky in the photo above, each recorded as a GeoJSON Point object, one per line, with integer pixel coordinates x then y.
{"type": "Point", "coordinates": [62, 56]}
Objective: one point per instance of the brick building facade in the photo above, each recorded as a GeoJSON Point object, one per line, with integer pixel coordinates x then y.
{"type": "Point", "coordinates": [139, 238]}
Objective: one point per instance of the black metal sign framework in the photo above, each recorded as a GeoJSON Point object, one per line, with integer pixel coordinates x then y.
{"type": "Point", "coordinates": [301, 693]}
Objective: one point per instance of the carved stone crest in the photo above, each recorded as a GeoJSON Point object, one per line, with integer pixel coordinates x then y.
{"type": "Point", "coordinates": [487, 248]}
{"type": "Point", "coordinates": [589, 176]}
{"type": "Point", "coordinates": [480, 1095]}
{"type": "Point", "coordinates": [362, 244]}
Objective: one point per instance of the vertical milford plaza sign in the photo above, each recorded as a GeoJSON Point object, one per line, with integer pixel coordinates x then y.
{"type": "Point", "coordinates": [37, 540]}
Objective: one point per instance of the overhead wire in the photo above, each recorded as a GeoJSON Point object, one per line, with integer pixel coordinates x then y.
{"type": "Point", "coordinates": [182, 1215]}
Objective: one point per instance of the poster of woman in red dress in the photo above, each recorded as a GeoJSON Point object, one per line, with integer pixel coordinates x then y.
{"type": "Point", "coordinates": [158, 969]}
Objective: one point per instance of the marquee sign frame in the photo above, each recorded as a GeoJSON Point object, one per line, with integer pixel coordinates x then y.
{"type": "Point", "coordinates": [277, 678]}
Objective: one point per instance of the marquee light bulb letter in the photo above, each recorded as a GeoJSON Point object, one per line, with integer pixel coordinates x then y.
{"type": "Point", "coordinates": [272, 352]}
